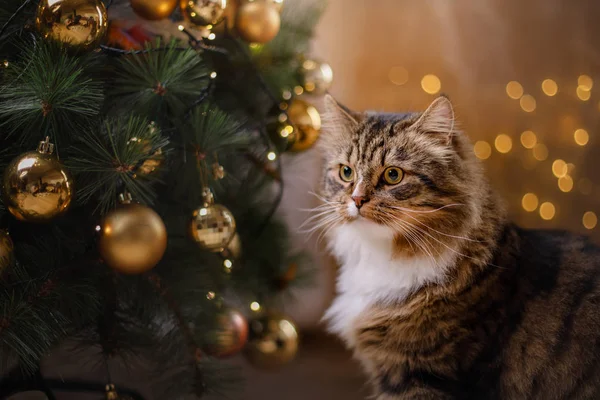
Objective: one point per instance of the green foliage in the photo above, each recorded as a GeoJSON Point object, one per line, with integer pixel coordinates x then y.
{"type": "Point", "coordinates": [8, 13]}
{"type": "Point", "coordinates": [48, 92]}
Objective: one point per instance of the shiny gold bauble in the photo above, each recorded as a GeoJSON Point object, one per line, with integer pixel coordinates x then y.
{"type": "Point", "coordinates": [230, 336]}
{"type": "Point", "coordinates": [317, 76]}
{"type": "Point", "coordinates": [133, 239]}
{"type": "Point", "coordinates": [213, 227]}
{"type": "Point", "coordinates": [307, 121]}
{"type": "Point", "coordinates": [203, 12]}
{"type": "Point", "coordinates": [257, 21]}
{"type": "Point", "coordinates": [154, 10]}
{"type": "Point", "coordinates": [273, 341]}
{"type": "Point", "coordinates": [81, 24]}
{"type": "Point", "coordinates": [36, 187]}
{"type": "Point", "coordinates": [6, 250]}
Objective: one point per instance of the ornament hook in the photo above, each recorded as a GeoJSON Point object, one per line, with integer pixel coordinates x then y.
{"type": "Point", "coordinates": [45, 147]}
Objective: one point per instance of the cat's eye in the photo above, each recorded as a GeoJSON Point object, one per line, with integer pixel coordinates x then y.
{"type": "Point", "coordinates": [393, 175]}
{"type": "Point", "coordinates": [346, 173]}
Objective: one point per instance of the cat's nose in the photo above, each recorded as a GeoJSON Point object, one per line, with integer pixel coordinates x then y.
{"type": "Point", "coordinates": [360, 200]}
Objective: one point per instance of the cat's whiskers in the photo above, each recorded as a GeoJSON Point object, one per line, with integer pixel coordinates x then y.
{"type": "Point", "coordinates": [427, 211]}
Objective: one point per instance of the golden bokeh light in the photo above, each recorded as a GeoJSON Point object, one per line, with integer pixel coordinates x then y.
{"type": "Point", "coordinates": [482, 150]}
{"type": "Point", "coordinates": [583, 94]}
{"type": "Point", "coordinates": [547, 211]}
{"type": "Point", "coordinates": [589, 220]}
{"type": "Point", "coordinates": [565, 184]}
{"type": "Point", "coordinates": [528, 139]}
{"type": "Point", "coordinates": [503, 143]}
{"type": "Point", "coordinates": [549, 87]}
{"type": "Point", "coordinates": [528, 103]}
{"type": "Point", "coordinates": [398, 75]}
{"type": "Point", "coordinates": [559, 168]}
{"type": "Point", "coordinates": [585, 82]}
{"type": "Point", "coordinates": [431, 84]}
{"type": "Point", "coordinates": [530, 202]}
{"type": "Point", "coordinates": [581, 137]}
{"type": "Point", "coordinates": [514, 90]}
{"type": "Point", "coordinates": [540, 152]}
{"type": "Point", "coordinates": [585, 186]}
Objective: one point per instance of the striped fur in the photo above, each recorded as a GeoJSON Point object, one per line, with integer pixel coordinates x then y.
{"type": "Point", "coordinates": [439, 296]}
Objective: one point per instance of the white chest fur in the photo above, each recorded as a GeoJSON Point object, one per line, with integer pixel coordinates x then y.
{"type": "Point", "coordinates": [370, 273]}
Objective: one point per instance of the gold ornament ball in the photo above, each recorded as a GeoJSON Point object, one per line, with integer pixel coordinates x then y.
{"type": "Point", "coordinates": [213, 227]}
{"type": "Point", "coordinates": [258, 21]}
{"type": "Point", "coordinates": [133, 239]}
{"type": "Point", "coordinates": [154, 10]}
{"type": "Point", "coordinates": [36, 187]}
{"type": "Point", "coordinates": [307, 121]}
{"type": "Point", "coordinates": [230, 336]}
{"type": "Point", "coordinates": [6, 250]}
{"type": "Point", "coordinates": [81, 24]}
{"type": "Point", "coordinates": [317, 76]}
{"type": "Point", "coordinates": [203, 12]}
{"type": "Point", "coordinates": [273, 341]}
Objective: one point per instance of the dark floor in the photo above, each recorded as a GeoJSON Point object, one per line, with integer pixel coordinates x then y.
{"type": "Point", "coordinates": [323, 370]}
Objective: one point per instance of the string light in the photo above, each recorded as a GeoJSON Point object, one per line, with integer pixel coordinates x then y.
{"type": "Point", "coordinates": [565, 184]}
{"type": "Point", "coordinates": [559, 168]}
{"type": "Point", "coordinates": [398, 75]}
{"type": "Point", "coordinates": [528, 139]}
{"type": "Point", "coordinates": [549, 87]}
{"type": "Point", "coordinates": [585, 82]}
{"type": "Point", "coordinates": [530, 202]}
{"type": "Point", "coordinates": [514, 90]}
{"type": "Point", "coordinates": [298, 90]}
{"type": "Point", "coordinates": [585, 186]}
{"type": "Point", "coordinates": [271, 156]}
{"type": "Point", "coordinates": [286, 95]}
{"type": "Point", "coordinates": [213, 75]}
{"type": "Point", "coordinates": [211, 295]}
{"type": "Point", "coordinates": [583, 94]}
{"type": "Point", "coordinates": [589, 220]}
{"type": "Point", "coordinates": [254, 306]}
{"type": "Point", "coordinates": [286, 131]}
{"type": "Point", "coordinates": [528, 103]}
{"type": "Point", "coordinates": [212, 36]}
{"type": "Point", "coordinates": [228, 264]}
{"type": "Point", "coordinates": [503, 143]}
{"type": "Point", "coordinates": [482, 150]}
{"type": "Point", "coordinates": [540, 152]}
{"type": "Point", "coordinates": [431, 84]}
{"type": "Point", "coordinates": [547, 211]}
{"type": "Point", "coordinates": [581, 137]}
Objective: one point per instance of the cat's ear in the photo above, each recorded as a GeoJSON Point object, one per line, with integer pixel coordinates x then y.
{"type": "Point", "coordinates": [438, 119]}
{"type": "Point", "coordinates": [337, 122]}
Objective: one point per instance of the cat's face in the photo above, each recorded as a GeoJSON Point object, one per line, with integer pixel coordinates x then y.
{"type": "Point", "coordinates": [412, 173]}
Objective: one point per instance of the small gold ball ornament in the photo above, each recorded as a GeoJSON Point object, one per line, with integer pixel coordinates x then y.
{"type": "Point", "coordinates": [307, 121]}
{"type": "Point", "coordinates": [80, 24]}
{"type": "Point", "coordinates": [273, 341]}
{"type": "Point", "coordinates": [203, 12]}
{"type": "Point", "coordinates": [154, 10]}
{"type": "Point", "coordinates": [133, 239]}
{"type": "Point", "coordinates": [213, 225]}
{"type": "Point", "coordinates": [230, 336]}
{"type": "Point", "coordinates": [258, 21]}
{"type": "Point", "coordinates": [317, 76]}
{"type": "Point", "coordinates": [36, 186]}
{"type": "Point", "coordinates": [6, 250]}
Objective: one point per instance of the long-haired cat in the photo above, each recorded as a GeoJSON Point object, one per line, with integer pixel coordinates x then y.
{"type": "Point", "coordinates": [439, 296]}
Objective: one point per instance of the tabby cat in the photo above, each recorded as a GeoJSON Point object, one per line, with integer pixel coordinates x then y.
{"type": "Point", "coordinates": [439, 295]}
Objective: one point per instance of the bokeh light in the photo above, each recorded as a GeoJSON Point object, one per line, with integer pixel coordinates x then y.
{"type": "Point", "coordinates": [530, 202]}
{"type": "Point", "coordinates": [540, 152]}
{"type": "Point", "coordinates": [559, 168]}
{"type": "Point", "coordinates": [503, 143]}
{"type": "Point", "coordinates": [398, 75]}
{"type": "Point", "coordinates": [528, 139]}
{"type": "Point", "coordinates": [585, 82]}
{"type": "Point", "coordinates": [589, 220]}
{"type": "Point", "coordinates": [549, 87]}
{"type": "Point", "coordinates": [565, 184]}
{"type": "Point", "coordinates": [528, 103]}
{"type": "Point", "coordinates": [482, 150]}
{"type": "Point", "coordinates": [547, 211]}
{"type": "Point", "coordinates": [431, 84]}
{"type": "Point", "coordinates": [514, 90]}
{"type": "Point", "coordinates": [581, 137]}
{"type": "Point", "coordinates": [583, 94]}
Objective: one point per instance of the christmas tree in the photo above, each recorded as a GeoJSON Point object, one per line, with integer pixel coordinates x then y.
{"type": "Point", "coordinates": [141, 177]}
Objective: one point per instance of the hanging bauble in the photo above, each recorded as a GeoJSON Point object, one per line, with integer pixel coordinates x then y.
{"type": "Point", "coordinates": [154, 10]}
{"type": "Point", "coordinates": [257, 21]}
{"type": "Point", "coordinates": [307, 121]}
{"type": "Point", "coordinates": [230, 336]}
{"type": "Point", "coordinates": [213, 225]}
{"type": "Point", "coordinates": [36, 186]}
{"type": "Point", "coordinates": [133, 239]}
{"type": "Point", "coordinates": [6, 250]}
{"type": "Point", "coordinates": [317, 77]}
{"type": "Point", "coordinates": [273, 341]}
{"type": "Point", "coordinates": [80, 24]}
{"type": "Point", "coordinates": [203, 12]}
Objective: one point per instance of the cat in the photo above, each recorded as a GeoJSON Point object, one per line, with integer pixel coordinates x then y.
{"type": "Point", "coordinates": [439, 295]}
